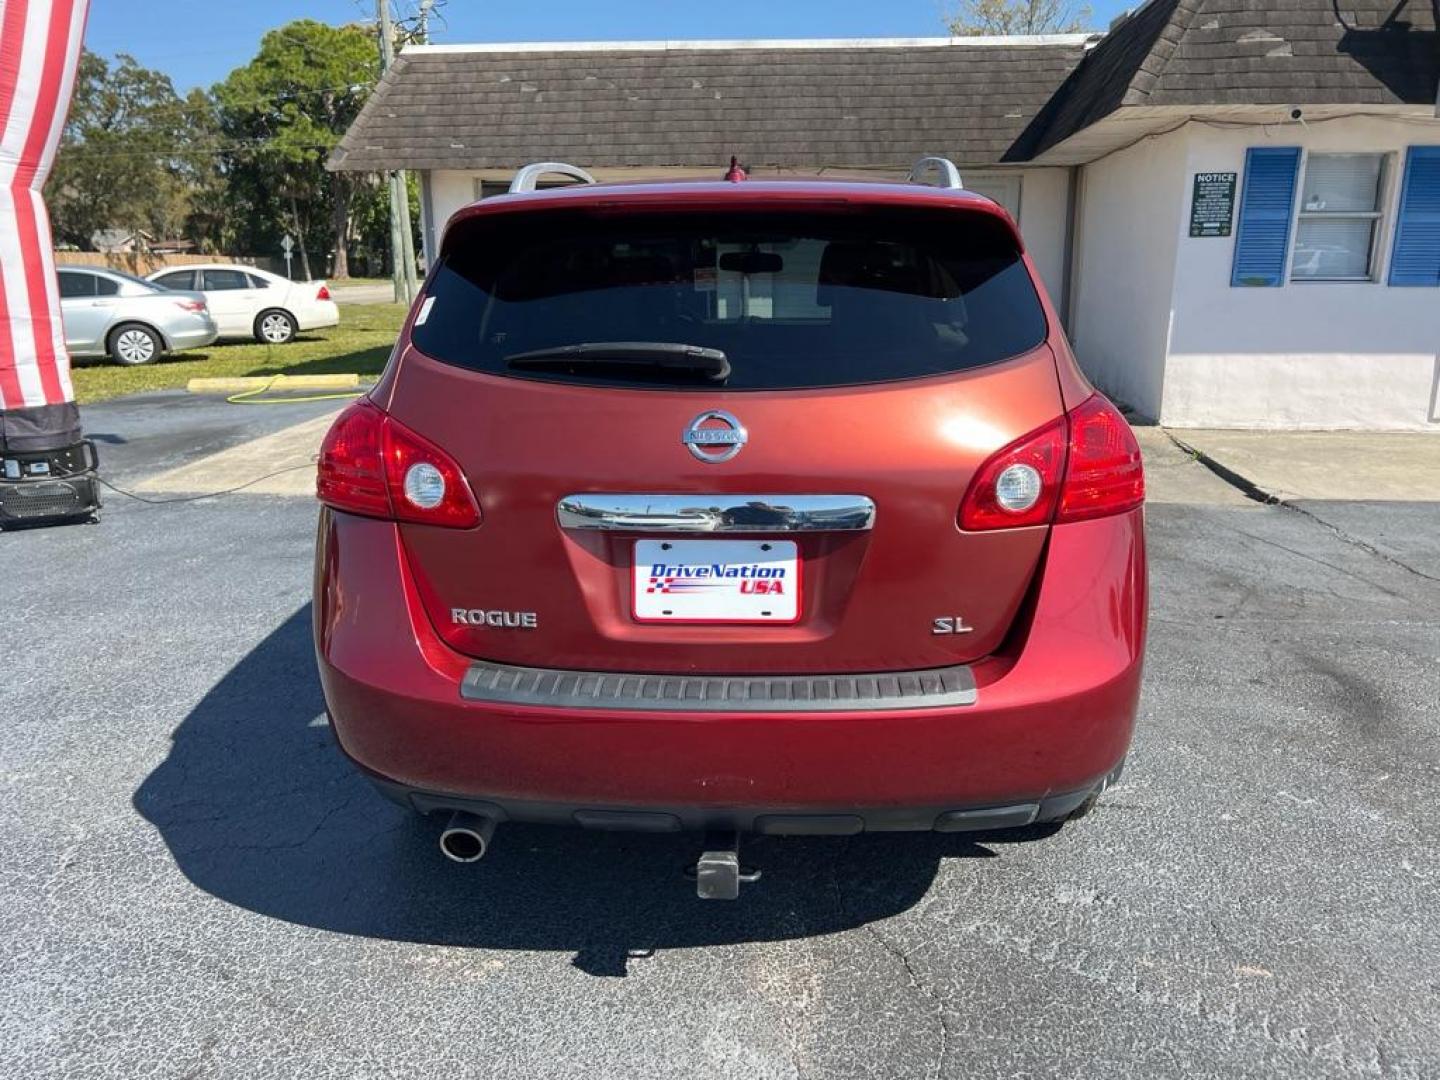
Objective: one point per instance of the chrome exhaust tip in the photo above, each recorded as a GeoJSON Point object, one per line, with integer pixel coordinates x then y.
{"type": "Point", "coordinates": [467, 837]}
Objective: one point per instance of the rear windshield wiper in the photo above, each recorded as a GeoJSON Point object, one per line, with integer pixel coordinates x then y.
{"type": "Point", "coordinates": [648, 356]}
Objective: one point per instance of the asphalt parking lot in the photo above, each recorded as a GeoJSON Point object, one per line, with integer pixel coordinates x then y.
{"type": "Point", "coordinates": [194, 884]}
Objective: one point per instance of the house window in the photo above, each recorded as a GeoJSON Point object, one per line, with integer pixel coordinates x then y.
{"type": "Point", "coordinates": [1339, 217]}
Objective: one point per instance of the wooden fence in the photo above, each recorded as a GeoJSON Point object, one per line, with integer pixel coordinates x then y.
{"type": "Point", "coordinates": [141, 263]}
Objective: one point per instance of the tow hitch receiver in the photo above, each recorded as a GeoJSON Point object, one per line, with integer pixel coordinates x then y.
{"type": "Point", "coordinates": [718, 872]}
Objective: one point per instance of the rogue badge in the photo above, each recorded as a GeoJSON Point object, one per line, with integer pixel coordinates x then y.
{"type": "Point", "coordinates": [508, 620]}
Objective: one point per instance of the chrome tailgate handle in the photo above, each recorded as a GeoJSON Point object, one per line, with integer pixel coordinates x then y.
{"type": "Point", "coordinates": [717, 513]}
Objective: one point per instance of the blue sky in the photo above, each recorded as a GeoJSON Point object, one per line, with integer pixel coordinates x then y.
{"type": "Point", "coordinates": [198, 43]}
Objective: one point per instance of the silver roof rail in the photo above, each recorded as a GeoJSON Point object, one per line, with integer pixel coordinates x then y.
{"type": "Point", "coordinates": [529, 177]}
{"type": "Point", "coordinates": [949, 174]}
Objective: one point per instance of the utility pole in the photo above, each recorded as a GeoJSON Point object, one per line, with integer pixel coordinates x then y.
{"type": "Point", "coordinates": [407, 231]}
{"type": "Point", "coordinates": [402, 246]}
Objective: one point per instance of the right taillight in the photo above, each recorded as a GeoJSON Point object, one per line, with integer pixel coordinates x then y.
{"type": "Point", "coordinates": [1103, 473]}
{"type": "Point", "coordinates": [1083, 465]}
{"type": "Point", "coordinates": [372, 464]}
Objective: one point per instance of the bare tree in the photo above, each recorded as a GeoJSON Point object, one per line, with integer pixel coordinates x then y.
{"type": "Point", "coordinates": [973, 18]}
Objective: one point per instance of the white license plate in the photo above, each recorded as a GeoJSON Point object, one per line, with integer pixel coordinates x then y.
{"type": "Point", "coordinates": [717, 581]}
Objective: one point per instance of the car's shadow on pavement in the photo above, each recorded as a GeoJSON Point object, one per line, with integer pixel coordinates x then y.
{"type": "Point", "coordinates": [260, 809]}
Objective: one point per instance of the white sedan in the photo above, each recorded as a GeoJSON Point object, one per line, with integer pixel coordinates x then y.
{"type": "Point", "coordinates": [246, 302]}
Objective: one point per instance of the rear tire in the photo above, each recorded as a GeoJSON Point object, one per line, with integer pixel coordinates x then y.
{"type": "Point", "coordinates": [133, 344]}
{"type": "Point", "coordinates": [1094, 797]}
{"type": "Point", "coordinates": [1084, 808]}
{"type": "Point", "coordinates": [275, 326]}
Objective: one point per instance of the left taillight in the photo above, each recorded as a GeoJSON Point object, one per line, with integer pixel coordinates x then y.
{"type": "Point", "coordinates": [372, 464]}
{"type": "Point", "coordinates": [323, 293]}
{"type": "Point", "coordinates": [195, 307]}
{"type": "Point", "coordinates": [1019, 484]}
{"type": "Point", "coordinates": [1085, 464]}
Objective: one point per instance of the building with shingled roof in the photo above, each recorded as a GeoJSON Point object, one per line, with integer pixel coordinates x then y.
{"type": "Point", "coordinates": [1235, 204]}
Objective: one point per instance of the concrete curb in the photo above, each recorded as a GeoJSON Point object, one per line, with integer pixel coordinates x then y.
{"type": "Point", "coordinates": [235, 384]}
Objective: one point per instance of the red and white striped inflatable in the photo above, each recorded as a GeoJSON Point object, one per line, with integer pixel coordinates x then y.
{"type": "Point", "coordinates": [39, 52]}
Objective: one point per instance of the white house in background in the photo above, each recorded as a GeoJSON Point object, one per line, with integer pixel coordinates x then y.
{"type": "Point", "coordinates": [1236, 207]}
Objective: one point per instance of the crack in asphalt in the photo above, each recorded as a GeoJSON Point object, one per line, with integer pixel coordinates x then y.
{"type": "Point", "coordinates": [1252, 490]}
{"type": "Point", "coordinates": [925, 990]}
{"type": "Point", "coordinates": [1230, 1019]}
{"type": "Point", "coordinates": [286, 845]}
{"type": "Point", "coordinates": [1321, 562]}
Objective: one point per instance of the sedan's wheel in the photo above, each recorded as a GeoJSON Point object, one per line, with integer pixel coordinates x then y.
{"type": "Point", "coordinates": [274, 327]}
{"type": "Point", "coordinates": [133, 344]}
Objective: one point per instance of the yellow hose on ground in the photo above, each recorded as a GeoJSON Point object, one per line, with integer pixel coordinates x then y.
{"type": "Point", "coordinates": [252, 397]}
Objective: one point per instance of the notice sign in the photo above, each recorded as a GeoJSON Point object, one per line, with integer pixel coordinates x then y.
{"type": "Point", "coordinates": [1212, 206]}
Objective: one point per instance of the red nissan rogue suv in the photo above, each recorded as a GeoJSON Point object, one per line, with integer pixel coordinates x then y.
{"type": "Point", "coordinates": [735, 506]}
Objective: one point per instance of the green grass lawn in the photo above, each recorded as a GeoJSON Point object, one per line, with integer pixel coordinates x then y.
{"type": "Point", "coordinates": [361, 343]}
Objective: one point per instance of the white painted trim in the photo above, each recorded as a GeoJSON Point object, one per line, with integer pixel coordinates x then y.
{"type": "Point", "coordinates": [735, 44]}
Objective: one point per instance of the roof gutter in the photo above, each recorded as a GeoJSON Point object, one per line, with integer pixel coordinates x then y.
{"type": "Point", "coordinates": [739, 44]}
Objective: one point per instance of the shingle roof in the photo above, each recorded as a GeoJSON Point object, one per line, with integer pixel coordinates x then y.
{"type": "Point", "coordinates": [851, 104]}
{"type": "Point", "coordinates": [1249, 52]}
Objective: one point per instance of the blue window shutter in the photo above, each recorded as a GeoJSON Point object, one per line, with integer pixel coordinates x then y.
{"type": "Point", "coordinates": [1416, 257]}
{"type": "Point", "coordinates": [1263, 238]}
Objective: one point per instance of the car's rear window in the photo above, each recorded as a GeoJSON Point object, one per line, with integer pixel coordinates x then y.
{"type": "Point", "coordinates": [820, 299]}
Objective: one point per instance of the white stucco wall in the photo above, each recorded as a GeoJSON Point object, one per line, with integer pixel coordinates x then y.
{"type": "Point", "coordinates": [1304, 355]}
{"type": "Point", "coordinates": [1042, 210]}
{"type": "Point", "coordinates": [449, 191]}
{"type": "Point", "coordinates": [1157, 324]}
{"type": "Point", "coordinates": [1127, 228]}
{"type": "Point", "coordinates": [1043, 193]}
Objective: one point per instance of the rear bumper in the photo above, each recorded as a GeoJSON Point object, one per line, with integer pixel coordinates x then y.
{"type": "Point", "coordinates": [768, 821]}
{"type": "Point", "coordinates": [1050, 721]}
{"type": "Point", "coordinates": [317, 316]}
{"type": "Point", "coordinates": [191, 337]}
